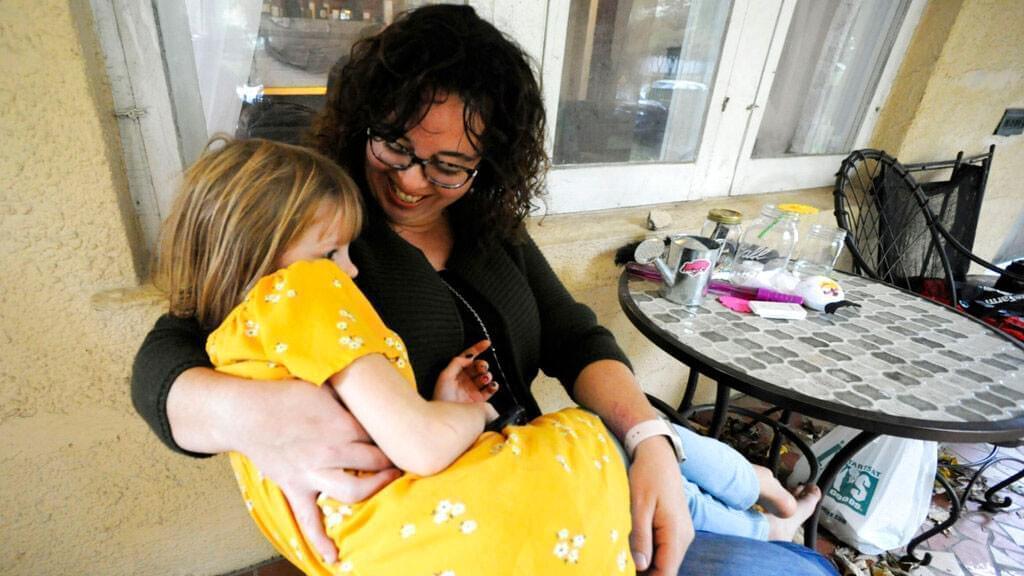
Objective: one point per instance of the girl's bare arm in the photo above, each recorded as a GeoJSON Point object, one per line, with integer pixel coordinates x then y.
{"type": "Point", "coordinates": [419, 436]}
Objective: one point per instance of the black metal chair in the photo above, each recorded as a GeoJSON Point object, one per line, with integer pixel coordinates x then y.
{"type": "Point", "coordinates": [918, 237]}
{"type": "Point", "coordinates": [914, 236]}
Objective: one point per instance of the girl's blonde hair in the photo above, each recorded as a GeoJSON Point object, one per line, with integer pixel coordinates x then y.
{"type": "Point", "coordinates": [240, 207]}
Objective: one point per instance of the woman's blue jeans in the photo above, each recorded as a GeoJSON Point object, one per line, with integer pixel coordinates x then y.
{"type": "Point", "coordinates": [717, 555]}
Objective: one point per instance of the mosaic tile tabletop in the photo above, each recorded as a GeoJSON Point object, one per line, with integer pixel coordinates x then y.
{"type": "Point", "coordinates": [898, 354]}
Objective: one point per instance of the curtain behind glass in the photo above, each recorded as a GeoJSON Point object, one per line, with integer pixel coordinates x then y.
{"type": "Point", "coordinates": [834, 54]}
{"type": "Point", "coordinates": [636, 79]}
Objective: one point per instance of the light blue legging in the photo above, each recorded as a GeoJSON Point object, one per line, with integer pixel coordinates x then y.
{"type": "Point", "coordinates": [720, 487]}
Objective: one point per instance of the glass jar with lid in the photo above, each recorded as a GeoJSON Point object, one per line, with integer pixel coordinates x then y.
{"type": "Point", "coordinates": [723, 225]}
{"type": "Point", "coordinates": [765, 246]}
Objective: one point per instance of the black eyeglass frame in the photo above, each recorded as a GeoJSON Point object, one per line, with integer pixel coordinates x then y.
{"type": "Point", "coordinates": [375, 136]}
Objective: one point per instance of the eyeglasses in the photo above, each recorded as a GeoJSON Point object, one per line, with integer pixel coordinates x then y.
{"type": "Point", "coordinates": [396, 155]}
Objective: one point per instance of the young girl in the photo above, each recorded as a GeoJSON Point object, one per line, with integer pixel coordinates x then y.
{"type": "Point", "coordinates": [257, 243]}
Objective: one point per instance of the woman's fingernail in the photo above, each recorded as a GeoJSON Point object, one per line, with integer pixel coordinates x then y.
{"type": "Point", "coordinates": [640, 560]}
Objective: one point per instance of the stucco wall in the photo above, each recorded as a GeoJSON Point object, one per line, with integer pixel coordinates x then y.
{"type": "Point", "coordinates": [964, 67]}
{"type": "Point", "coordinates": [84, 487]}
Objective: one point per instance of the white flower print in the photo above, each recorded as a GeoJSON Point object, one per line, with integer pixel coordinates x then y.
{"type": "Point", "coordinates": [442, 512]}
{"type": "Point", "coordinates": [290, 293]}
{"type": "Point", "coordinates": [585, 421]}
{"type": "Point", "coordinates": [333, 520]}
{"type": "Point", "coordinates": [598, 465]}
{"type": "Point", "coordinates": [271, 364]}
{"type": "Point", "coordinates": [345, 340]}
{"type": "Point", "coordinates": [346, 314]}
{"type": "Point", "coordinates": [614, 536]}
{"type": "Point", "coordinates": [279, 285]}
{"type": "Point", "coordinates": [342, 325]}
{"type": "Point", "coordinates": [468, 526]}
{"type": "Point", "coordinates": [336, 283]}
{"type": "Point", "coordinates": [620, 560]}
{"type": "Point", "coordinates": [390, 342]}
{"type": "Point", "coordinates": [252, 329]}
{"type": "Point", "coordinates": [565, 463]}
{"type": "Point", "coordinates": [356, 343]}
{"type": "Point", "coordinates": [458, 509]}
{"type": "Point", "coordinates": [445, 573]}
{"type": "Point", "coordinates": [249, 505]}
{"type": "Point", "coordinates": [566, 549]}
{"type": "Point", "coordinates": [408, 530]}
{"type": "Point", "coordinates": [399, 346]}
{"type": "Point", "coordinates": [565, 430]}
{"type": "Point", "coordinates": [601, 438]}
{"type": "Point", "coordinates": [280, 347]}
{"type": "Point", "coordinates": [345, 567]}
{"type": "Point", "coordinates": [272, 298]}
{"type": "Point", "coordinates": [497, 448]}
{"type": "Point", "coordinates": [400, 363]}
{"type": "Point", "coordinates": [516, 450]}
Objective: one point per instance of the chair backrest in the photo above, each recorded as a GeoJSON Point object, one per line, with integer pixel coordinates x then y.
{"type": "Point", "coordinates": [956, 201]}
{"type": "Point", "coordinates": [892, 233]}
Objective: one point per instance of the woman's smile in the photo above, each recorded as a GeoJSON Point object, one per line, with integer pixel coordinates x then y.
{"type": "Point", "coordinates": [408, 198]}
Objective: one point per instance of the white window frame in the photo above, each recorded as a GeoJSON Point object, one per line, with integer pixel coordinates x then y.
{"type": "Point", "coordinates": [157, 101]}
{"type": "Point", "coordinates": [723, 167]}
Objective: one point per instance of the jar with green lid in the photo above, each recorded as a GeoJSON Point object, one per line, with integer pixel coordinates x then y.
{"type": "Point", "coordinates": [725, 226]}
{"type": "Point", "coordinates": [765, 246]}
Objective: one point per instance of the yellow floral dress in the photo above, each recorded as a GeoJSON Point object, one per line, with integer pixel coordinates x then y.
{"type": "Point", "coordinates": [547, 498]}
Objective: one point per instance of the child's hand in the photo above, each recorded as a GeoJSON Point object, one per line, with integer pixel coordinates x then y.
{"type": "Point", "coordinates": [466, 379]}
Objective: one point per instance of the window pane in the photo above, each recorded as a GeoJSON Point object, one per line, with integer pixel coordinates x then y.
{"type": "Point", "coordinates": [831, 62]}
{"type": "Point", "coordinates": [262, 64]}
{"type": "Point", "coordinates": [637, 78]}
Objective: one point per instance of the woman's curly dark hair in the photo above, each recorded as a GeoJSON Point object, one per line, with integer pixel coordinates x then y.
{"type": "Point", "coordinates": [424, 54]}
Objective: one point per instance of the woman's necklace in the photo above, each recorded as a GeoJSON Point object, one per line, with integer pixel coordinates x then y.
{"type": "Point", "coordinates": [480, 323]}
{"type": "Point", "coordinates": [517, 415]}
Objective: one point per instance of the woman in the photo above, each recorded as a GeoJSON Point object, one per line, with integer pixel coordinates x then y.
{"type": "Point", "coordinates": [440, 121]}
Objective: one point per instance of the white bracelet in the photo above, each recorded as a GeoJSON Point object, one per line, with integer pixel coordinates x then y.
{"type": "Point", "coordinates": [648, 428]}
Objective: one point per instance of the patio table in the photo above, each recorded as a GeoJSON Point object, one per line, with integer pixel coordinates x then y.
{"type": "Point", "coordinates": [900, 365]}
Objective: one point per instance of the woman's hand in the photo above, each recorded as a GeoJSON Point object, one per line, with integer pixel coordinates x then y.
{"type": "Point", "coordinates": [662, 527]}
{"type": "Point", "coordinates": [297, 434]}
{"type": "Point", "coordinates": [466, 379]}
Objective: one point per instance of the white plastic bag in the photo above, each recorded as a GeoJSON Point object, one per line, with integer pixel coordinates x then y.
{"type": "Point", "coordinates": [880, 498]}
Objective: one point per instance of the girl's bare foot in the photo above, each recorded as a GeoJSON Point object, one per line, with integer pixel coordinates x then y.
{"type": "Point", "coordinates": [773, 496]}
{"type": "Point", "coordinates": [807, 498]}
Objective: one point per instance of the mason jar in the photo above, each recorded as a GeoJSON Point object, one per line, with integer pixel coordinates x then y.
{"type": "Point", "coordinates": [818, 251]}
{"type": "Point", "coordinates": [766, 245]}
{"type": "Point", "coordinates": [723, 225]}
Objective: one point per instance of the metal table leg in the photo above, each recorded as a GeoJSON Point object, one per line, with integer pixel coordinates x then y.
{"type": "Point", "coordinates": [993, 505]}
{"type": "Point", "coordinates": [775, 452]}
{"type": "Point", "coordinates": [825, 481]}
{"type": "Point", "coordinates": [954, 515]}
{"type": "Point", "coordinates": [691, 390]}
{"type": "Point", "coordinates": [721, 410]}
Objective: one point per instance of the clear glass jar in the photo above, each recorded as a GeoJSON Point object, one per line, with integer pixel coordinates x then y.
{"type": "Point", "coordinates": [818, 251]}
{"type": "Point", "coordinates": [766, 246]}
{"type": "Point", "coordinates": [723, 225]}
